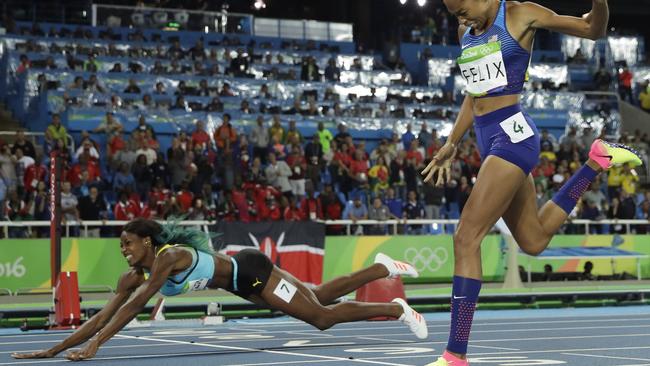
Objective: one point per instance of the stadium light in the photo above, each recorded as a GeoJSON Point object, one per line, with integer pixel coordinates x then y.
{"type": "Point", "coordinates": [422, 3]}
{"type": "Point", "coordinates": [259, 4]}
{"type": "Point", "coordinates": [402, 2]}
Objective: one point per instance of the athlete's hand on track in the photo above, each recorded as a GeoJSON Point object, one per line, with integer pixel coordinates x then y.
{"type": "Point", "coordinates": [441, 163]}
{"type": "Point", "coordinates": [37, 354]}
{"type": "Point", "coordinates": [85, 353]}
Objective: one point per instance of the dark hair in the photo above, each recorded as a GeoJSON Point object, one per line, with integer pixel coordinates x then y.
{"type": "Point", "coordinates": [170, 233]}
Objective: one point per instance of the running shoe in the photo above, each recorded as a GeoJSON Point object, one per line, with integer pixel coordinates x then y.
{"type": "Point", "coordinates": [413, 319]}
{"type": "Point", "coordinates": [448, 359]}
{"type": "Point", "coordinates": [608, 154]}
{"type": "Point", "coordinates": [396, 268]}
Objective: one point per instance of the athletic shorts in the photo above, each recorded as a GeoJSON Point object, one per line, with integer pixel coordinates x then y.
{"type": "Point", "coordinates": [510, 134]}
{"type": "Point", "coordinates": [251, 270]}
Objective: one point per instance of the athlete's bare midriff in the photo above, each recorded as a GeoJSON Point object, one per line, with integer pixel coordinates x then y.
{"type": "Point", "coordinates": [222, 272]}
{"type": "Point", "coordinates": [490, 104]}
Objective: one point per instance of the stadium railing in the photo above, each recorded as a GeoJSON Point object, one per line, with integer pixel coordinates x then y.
{"type": "Point", "coordinates": [440, 225]}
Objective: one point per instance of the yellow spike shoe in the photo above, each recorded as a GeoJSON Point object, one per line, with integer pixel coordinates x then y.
{"type": "Point", "coordinates": [608, 154]}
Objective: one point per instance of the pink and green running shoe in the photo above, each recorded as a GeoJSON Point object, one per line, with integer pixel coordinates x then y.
{"type": "Point", "coordinates": [608, 154]}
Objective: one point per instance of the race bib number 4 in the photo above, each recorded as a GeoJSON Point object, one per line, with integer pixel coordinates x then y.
{"type": "Point", "coordinates": [517, 128]}
{"type": "Point", "coordinates": [483, 68]}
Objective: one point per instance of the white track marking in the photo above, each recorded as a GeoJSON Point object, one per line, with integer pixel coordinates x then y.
{"type": "Point", "coordinates": [262, 351]}
{"type": "Point", "coordinates": [494, 347]}
{"type": "Point", "coordinates": [610, 357]}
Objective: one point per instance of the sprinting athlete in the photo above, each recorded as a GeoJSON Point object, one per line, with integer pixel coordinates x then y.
{"type": "Point", "coordinates": [171, 260]}
{"type": "Point", "coordinates": [496, 39]}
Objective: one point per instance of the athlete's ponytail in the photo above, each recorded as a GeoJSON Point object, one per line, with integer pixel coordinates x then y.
{"type": "Point", "coordinates": [170, 233]}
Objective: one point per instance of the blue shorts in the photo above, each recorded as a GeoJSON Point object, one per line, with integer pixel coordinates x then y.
{"type": "Point", "coordinates": [492, 139]}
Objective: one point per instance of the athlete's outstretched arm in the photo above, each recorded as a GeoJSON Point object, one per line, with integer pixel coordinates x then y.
{"type": "Point", "coordinates": [441, 162]}
{"type": "Point", "coordinates": [592, 25]}
{"type": "Point", "coordinates": [160, 270]}
{"type": "Point", "coordinates": [127, 283]}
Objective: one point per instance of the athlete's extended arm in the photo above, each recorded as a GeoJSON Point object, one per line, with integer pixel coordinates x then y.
{"type": "Point", "coordinates": [160, 270]}
{"type": "Point", "coordinates": [127, 283]}
{"type": "Point", "coordinates": [441, 162]}
{"type": "Point", "coordinates": [592, 25]}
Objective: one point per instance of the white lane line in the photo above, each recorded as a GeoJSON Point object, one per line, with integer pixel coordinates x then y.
{"type": "Point", "coordinates": [387, 340]}
{"type": "Point", "coordinates": [527, 353]}
{"type": "Point", "coordinates": [609, 357]}
{"type": "Point", "coordinates": [280, 363]}
{"type": "Point", "coordinates": [24, 362]}
{"type": "Point", "coordinates": [262, 351]}
{"type": "Point", "coordinates": [515, 321]}
{"type": "Point", "coordinates": [109, 358]}
{"type": "Point", "coordinates": [551, 338]}
{"type": "Point", "coordinates": [264, 326]}
{"type": "Point", "coordinates": [474, 331]}
{"type": "Point", "coordinates": [494, 347]}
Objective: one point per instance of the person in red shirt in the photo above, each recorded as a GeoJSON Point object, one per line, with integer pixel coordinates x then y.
{"type": "Point", "coordinates": [298, 166]}
{"type": "Point", "coordinates": [342, 155]}
{"type": "Point", "coordinates": [34, 174]}
{"type": "Point", "coordinates": [270, 210]}
{"type": "Point", "coordinates": [359, 170]}
{"type": "Point", "coordinates": [125, 209]}
{"type": "Point", "coordinates": [24, 65]}
{"type": "Point", "coordinates": [251, 212]}
{"type": "Point", "coordinates": [91, 166]}
{"type": "Point", "coordinates": [115, 143]}
{"type": "Point", "coordinates": [291, 211]}
{"type": "Point", "coordinates": [358, 166]}
{"type": "Point", "coordinates": [332, 209]}
{"type": "Point", "coordinates": [227, 210]}
{"type": "Point", "coordinates": [225, 135]}
{"type": "Point", "coordinates": [413, 152]}
{"type": "Point", "coordinates": [311, 206]}
{"type": "Point", "coordinates": [150, 211]}
{"type": "Point", "coordinates": [184, 197]}
{"type": "Point", "coordinates": [200, 137]}
{"type": "Point", "coordinates": [625, 85]}
{"type": "Point", "coordinates": [159, 195]}
{"type": "Point", "coordinates": [544, 168]}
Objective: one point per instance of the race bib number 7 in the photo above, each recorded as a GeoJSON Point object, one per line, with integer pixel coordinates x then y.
{"type": "Point", "coordinates": [285, 290]}
{"type": "Point", "coordinates": [483, 69]}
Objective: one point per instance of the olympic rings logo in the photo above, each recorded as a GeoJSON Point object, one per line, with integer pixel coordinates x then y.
{"type": "Point", "coordinates": [426, 258]}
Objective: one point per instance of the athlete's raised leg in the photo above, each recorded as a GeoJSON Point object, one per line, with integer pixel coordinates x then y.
{"type": "Point", "coordinates": [383, 267]}
{"type": "Point", "coordinates": [533, 227]}
{"type": "Point", "coordinates": [297, 300]}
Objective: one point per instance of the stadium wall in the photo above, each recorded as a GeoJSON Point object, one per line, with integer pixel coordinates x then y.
{"type": "Point", "coordinates": [24, 263]}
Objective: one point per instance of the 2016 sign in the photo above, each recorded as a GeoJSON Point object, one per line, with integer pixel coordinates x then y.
{"type": "Point", "coordinates": [15, 269]}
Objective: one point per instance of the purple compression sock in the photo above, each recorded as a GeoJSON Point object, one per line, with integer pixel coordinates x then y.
{"type": "Point", "coordinates": [567, 197]}
{"type": "Point", "coordinates": [463, 303]}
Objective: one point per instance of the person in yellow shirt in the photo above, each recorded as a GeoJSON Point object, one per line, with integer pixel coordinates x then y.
{"type": "Point", "coordinates": [629, 180]}
{"type": "Point", "coordinates": [276, 128]}
{"type": "Point", "coordinates": [325, 137]}
{"type": "Point", "coordinates": [644, 97]}
{"type": "Point", "coordinates": [56, 131]}
{"type": "Point", "coordinates": [293, 134]}
{"type": "Point", "coordinates": [547, 151]}
{"type": "Point", "coordinates": [614, 178]}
